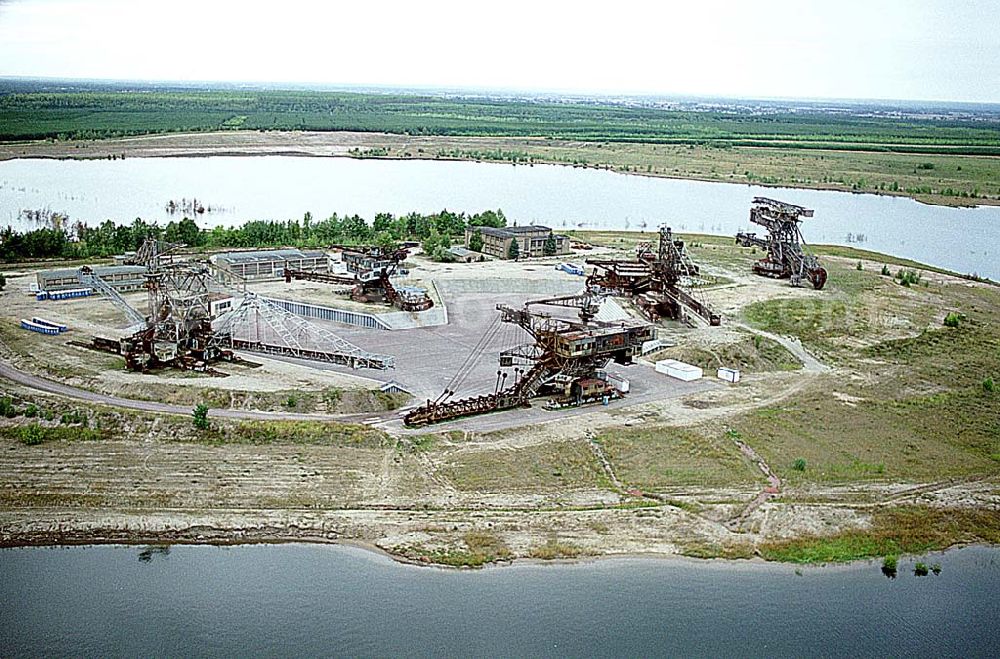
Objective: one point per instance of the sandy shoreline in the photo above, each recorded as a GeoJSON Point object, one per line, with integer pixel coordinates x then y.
{"type": "Point", "coordinates": [369, 547]}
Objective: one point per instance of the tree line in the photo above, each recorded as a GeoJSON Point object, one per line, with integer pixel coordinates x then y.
{"type": "Point", "coordinates": [29, 113]}
{"type": "Point", "coordinates": [78, 240]}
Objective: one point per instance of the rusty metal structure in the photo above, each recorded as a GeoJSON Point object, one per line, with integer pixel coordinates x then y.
{"type": "Point", "coordinates": [370, 269]}
{"type": "Point", "coordinates": [152, 253]}
{"type": "Point", "coordinates": [785, 257]}
{"type": "Point", "coordinates": [565, 359]}
{"type": "Point", "coordinates": [179, 329]}
{"type": "Point", "coordinates": [657, 281]}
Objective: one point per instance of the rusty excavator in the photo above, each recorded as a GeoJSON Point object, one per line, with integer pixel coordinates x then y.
{"type": "Point", "coordinates": [657, 281]}
{"type": "Point", "coordinates": [565, 360]}
{"type": "Point", "coordinates": [368, 271]}
{"type": "Point", "coordinates": [785, 258]}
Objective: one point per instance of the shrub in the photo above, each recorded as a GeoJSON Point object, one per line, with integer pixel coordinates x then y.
{"type": "Point", "coordinates": [799, 465]}
{"type": "Point", "coordinates": [952, 319]}
{"type": "Point", "coordinates": [201, 416]}
{"type": "Point", "coordinates": [988, 385]}
{"type": "Point", "coordinates": [31, 411]}
{"type": "Point", "coordinates": [7, 408]}
{"type": "Point", "coordinates": [908, 277]}
{"type": "Point", "coordinates": [74, 417]}
{"type": "Point", "coordinates": [885, 271]}
{"type": "Point", "coordinates": [920, 569]}
{"type": "Point", "coordinates": [859, 266]}
{"type": "Point", "coordinates": [442, 254]}
{"type": "Point", "coordinates": [889, 565]}
{"type": "Point", "coordinates": [936, 568]}
{"type": "Point", "coordinates": [31, 435]}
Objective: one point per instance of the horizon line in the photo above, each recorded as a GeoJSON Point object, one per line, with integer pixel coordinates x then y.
{"type": "Point", "coordinates": [509, 91]}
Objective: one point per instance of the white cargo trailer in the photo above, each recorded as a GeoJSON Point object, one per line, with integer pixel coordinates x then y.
{"type": "Point", "coordinates": [678, 369]}
{"type": "Point", "coordinates": [619, 383]}
{"type": "Point", "coordinates": [729, 375]}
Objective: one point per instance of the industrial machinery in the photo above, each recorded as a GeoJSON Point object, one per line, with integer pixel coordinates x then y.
{"type": "Point", "coordinates": [785, 258]}
{"type": "Point", "coordinates": [368, 272]}
{"type": "Point", "coordinates": [152, 253]}
{"type": "Point", "coordinates": [565, 359]}
{"type": "Point", "coordinates": [658, 282]}
{"type": "Point", "coordinates": [181, 330]}
{"type": "Point", "coordinates": [177, 330]}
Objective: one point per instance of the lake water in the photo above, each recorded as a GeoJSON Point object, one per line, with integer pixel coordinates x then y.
{"type": "Point", "coordinates": [282, 600]}
{"type": "Point", "coordinates": [284, 187]}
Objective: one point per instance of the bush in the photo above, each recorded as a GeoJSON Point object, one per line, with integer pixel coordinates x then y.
{"type": "Point", "coordinates": [988, 385]}
{"type": "Point", "coordinates": [952, 319]}
{"type": "Point", "coordinates": [920, 569]}
{"type": "Point", "coordinates": [442, 254]}
{"type": "Point", "coordinates": [859, 266]}
{"type": "Point", "coordinates": [201, 416]}
{"type": "Point", "coordinates": [31, 411]}
{"type": "Point", "coordinates": [908, 277]}
{"type": "Point", "coordinates": [936, 568]}
{"type": "Point", "coordinates": [799, 465]}
{"type": "Point", "coordinates": [32, 435]}
{"type": "Point", "coordinates": [889, 565]}
{"type": "Point", "coordinates": [885, 271]}
{"type": "Point", "coordinates": [74, 417]}
{"type": "Point", "coordinates": [7, 408]}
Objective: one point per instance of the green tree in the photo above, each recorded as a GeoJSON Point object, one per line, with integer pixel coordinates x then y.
{"type": "Point", "coordinates": [549, 249]}
{"type": "Point", "coordinates": [201, 416]}
{"type": "Point", "coordinates": [495, 219]}
{"type": "Point", "coordinates": [431, 242]}
{"type": "Point", "coordinates": [385, 240]}
{"type": "Point", "coordinates": [475, 242]}
{"type": "Point", "coordinates": [514, 251]}
{"type": "Point", "coordinates": [189, 233]}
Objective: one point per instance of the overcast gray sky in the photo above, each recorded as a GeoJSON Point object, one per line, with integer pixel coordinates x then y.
{"type": "Point", "coordinates": [879, 49]}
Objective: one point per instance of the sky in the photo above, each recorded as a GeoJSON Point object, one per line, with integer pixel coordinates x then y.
{"type": "Point", "coordinates": [940, 50]}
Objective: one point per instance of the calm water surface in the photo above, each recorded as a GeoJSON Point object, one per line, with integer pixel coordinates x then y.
{"type": "Point", "coordinates": [283, 187]}
{"type": "Point", "coordinates": [286, 600]}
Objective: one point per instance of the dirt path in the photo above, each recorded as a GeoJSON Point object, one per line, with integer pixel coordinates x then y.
{"type": "Point", "coordinates": [738, 523]}
{"type": "Point", "coordinates": [809, 363]}
{"type": "Point", "coordinates": [49, 386]}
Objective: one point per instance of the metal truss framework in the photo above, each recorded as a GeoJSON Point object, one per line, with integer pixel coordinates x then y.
{"type": "Point", "coordinates": [258, 325]}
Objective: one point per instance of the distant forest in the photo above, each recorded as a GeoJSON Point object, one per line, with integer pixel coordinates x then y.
{"type": "Point", "coordinates": [29, 112]}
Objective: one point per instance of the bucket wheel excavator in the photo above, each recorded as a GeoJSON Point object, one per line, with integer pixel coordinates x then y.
{"type": "Point", "coordinates": [785, 257]}
{"type": "Point", "coordinates": [565, 358]}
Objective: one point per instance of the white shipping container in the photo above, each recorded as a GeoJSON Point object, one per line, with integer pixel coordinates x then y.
{"type": "Point", "coordinates": [729, 374]}
{"type": "Point", "coordinates": [619, 383]}
{"type": "Point", "coordinates": [678, 369]}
